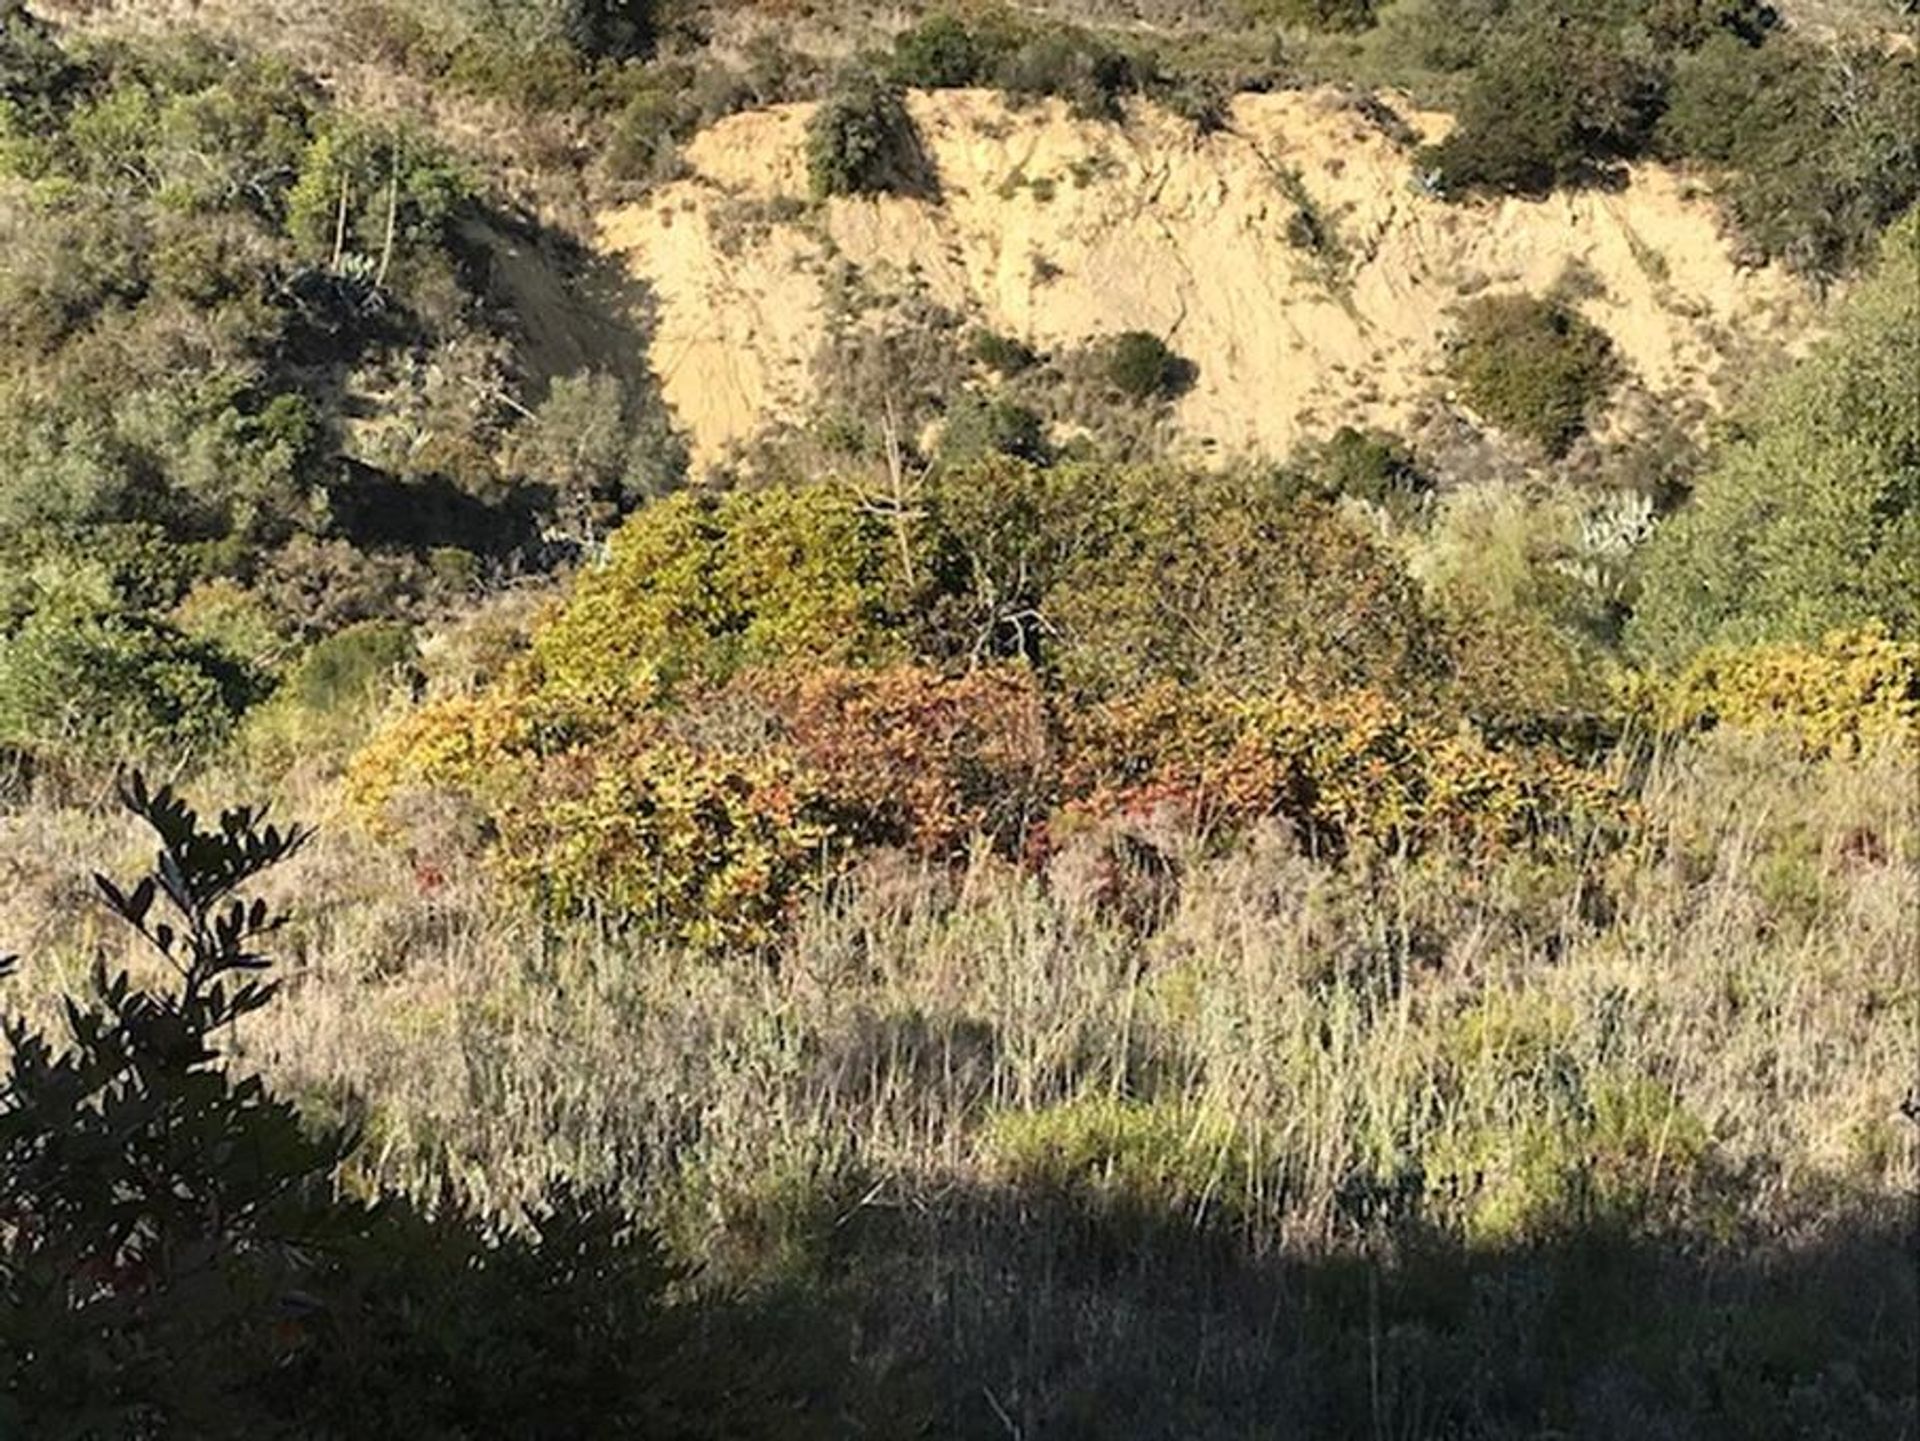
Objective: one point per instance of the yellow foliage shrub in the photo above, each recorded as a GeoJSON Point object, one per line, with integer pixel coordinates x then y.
{"type": "Point", "coordinates": [1856, 688]}
{"type": "Point", "coordinates": [697, 586]}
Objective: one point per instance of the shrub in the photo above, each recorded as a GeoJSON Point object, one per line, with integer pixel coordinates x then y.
{"type": "Point", "coordinates": [980, 425]}
{"type": "Point", "coordinates": [1809, 518]}
{"type": "Point", "coordinates": [1367, 465]}
{"type": "Point", "coordinates": [600, 453]}
{"type": "Point", "coordinates": [696, 586]}
{"type": "Point", "coordinates": [1533, 367]}
{"type": "Point", "coordinates": [1001, 352]}
{"type": "Point", "coordinates": [1690, 24]}
{"type": "Point", "coordinates": [1228, 581]}
{"type": "Point", "coordinates": [910, 757]}
{"type": "Point", "coordinates": [181, 1257]}
{"type": "Point", "coordinates": [1142, 367]}
{"type": "Point", "coordinates": [1825, 157]}
{"type": "Point", "coordinates": [1349, 771]}
{"type": "Point", "coordinates": [710, 848]}
{"type": "Point", "coordinates": [1853, 690]}
{"type": "Point", "coordinates": [82, 687]}
{"type": "Point", "coordinates": [1558, 95]}
{"type": "Point", "coordinates": [861, 140]}
{"type": "Point", "coordinates": [939, 53]}
{"type": "Point", "coordinates": [1316, 14]}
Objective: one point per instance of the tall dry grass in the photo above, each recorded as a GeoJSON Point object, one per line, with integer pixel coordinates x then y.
{"type": "Point", "coordinates": [1040, 1154]}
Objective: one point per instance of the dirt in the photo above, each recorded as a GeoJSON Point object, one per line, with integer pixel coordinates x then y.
{"type": "Point", "coordinates": [1056, 230]}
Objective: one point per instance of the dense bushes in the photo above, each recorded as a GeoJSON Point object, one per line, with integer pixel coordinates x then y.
{"type": "Point", "coordinates": [1810, 519]}
{"type": "Point", "coordinates": [246, 354]}
{"type": "Point", "coordinates": [1559, 94]}
{"type": "Point", "coordinates": [1851, 691]}
{"type": "Point", "coordinates": [757, 686]}
{"type": "Point", "coordinates": [1341, 772]}
{"type": "Point", "coordinates": [1533, 367]}
{"type": "Point", "coordinates": [1142, 367]}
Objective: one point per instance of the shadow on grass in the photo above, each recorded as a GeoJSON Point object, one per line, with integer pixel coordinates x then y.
{"type": "Point", "coordinates": [996, 1314]}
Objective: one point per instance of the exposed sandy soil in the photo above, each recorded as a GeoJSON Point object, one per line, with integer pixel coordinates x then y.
{"type": "Point", "coordinates": [1056, 230]}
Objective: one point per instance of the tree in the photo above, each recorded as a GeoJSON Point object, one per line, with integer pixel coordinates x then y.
{"type": "Point", "coordinates": [860, 140]}
{"type": "Point", "coordinates": [1810, 519]}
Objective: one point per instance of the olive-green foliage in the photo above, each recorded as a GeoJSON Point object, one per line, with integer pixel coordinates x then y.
{"type": "Point", "coordinates": [979, 425]}
{"type": "Point", "coordinates": [696, 586]}
{"type": "Point", "coordinates": [1028, 60]}
{"type": "Point", "coordinates": [1533, 367]}
{"type": "Point", "coordinates": [1809, 521]}
{"type": "Point", "coordinates": [1557, 94]}
{"type": "Point", "coordinates": [600, 449]}
{"type": "Point", "coordinates": [217, 297]}
{"type": "Point", "coordinates": [860, 141]}
{"type": "Point", "coordinates": [1141, 366]}
{"type": "Point", "coordinates": [1316, 14]}
{"type": "Point", "coordinates": [1368, 465]}
{"type": "Point", "coordinates": [1114, 577]}
{"type": "Point", "coordinates": [1003, 353]}
{"type": "Point", "coordinates": [1822, 144]}
{"type": "Point", "coordinates": [81, 687]}
{"type": "Point", "coordinates": [350, 669]}
{"type": "Point", "coordinates": [939, 53]}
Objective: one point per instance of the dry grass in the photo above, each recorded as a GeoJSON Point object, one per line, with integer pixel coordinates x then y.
{"type": "Point", "coordinates": [983, 1120]}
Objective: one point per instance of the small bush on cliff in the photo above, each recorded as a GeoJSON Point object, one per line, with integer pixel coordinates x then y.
{"type": "Point", "coordinates": [1533, 367]}
{"type": "Point", "coordinates": [861, 140]}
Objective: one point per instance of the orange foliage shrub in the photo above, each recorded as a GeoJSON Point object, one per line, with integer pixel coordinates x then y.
{"type": "Point", "coordinates": [909, 756]}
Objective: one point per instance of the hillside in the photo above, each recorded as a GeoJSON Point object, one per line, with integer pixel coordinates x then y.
{"type": "Point", "coordinates": [942, 720]}
{"type": "Point", "coordinates": [1057, 231]}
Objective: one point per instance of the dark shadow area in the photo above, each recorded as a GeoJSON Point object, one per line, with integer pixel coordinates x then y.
{"type": "Point", "coordinates": [423, 512]}
{"type": "Point", "coordinates": [571, 309]}
{"type": "Point", "coordinates": [1007, 1313]}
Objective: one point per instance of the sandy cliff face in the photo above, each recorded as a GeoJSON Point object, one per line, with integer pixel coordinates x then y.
{"type": "Point", "coordinates": [1057, 230]}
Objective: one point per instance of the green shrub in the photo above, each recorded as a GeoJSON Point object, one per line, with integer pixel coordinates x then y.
{"type": "Point", "coordinates": [599, 450]}
{"type": "Point", "coordinates": [1558, 96]}
{"type": "Point", "coordinates": [1808, 520]}
{"type": "Point", "coordinates": [980, 425]}
{"type": "Point", "coordinates": [1533, 367]}
{"type": "Point", "coordinates": [1368, 465]}
{"type": "Point", "coordinates": [82, 688]}
{"type": "Point", "coordinates": [1824, 150]}
{"type": "Point", "coordinates": [1141, 366]}
{"type": "Point", "coordinates": [860, 140]}
{"type": "Point", "coordinates": [939, 53]}
{"type": "Point", "coordinates": [351, 670]}
{"type": "Point", "coordinates": [1001, 352]}
{"type": "Point", "coordinates": [1080, 68]}
{"type": "Point", "coordinates": [1316, 14]}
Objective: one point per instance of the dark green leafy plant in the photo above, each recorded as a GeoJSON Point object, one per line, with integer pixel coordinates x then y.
{"type": "Point", "coordinates": [1141, 366]}
{"type": "Point", "coordinates": [861, 141]}
{"type": "Point", "coordinates": [177, 1260]}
